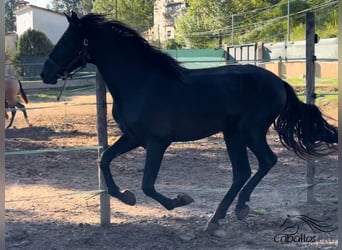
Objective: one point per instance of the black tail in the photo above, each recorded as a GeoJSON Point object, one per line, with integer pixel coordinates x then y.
{"type": "Point", "coordinates": [22, 93]}
{"type": "Point", "coordinates": [302, 128]}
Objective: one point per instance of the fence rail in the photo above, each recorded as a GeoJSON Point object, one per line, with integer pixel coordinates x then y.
{"type": "Point", "coordinates": [253, 53]}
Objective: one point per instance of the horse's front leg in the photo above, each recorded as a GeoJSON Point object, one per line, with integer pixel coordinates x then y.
{"type": "Point", "coordinates": [154, 154]}
{"type": "Point", "coordinates": [121, 146]}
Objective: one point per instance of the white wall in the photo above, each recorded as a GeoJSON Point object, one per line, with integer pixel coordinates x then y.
{"type": "Point", "coordinates": [24, 21]}
{"type": "Point", "coordinates": [50, 23]}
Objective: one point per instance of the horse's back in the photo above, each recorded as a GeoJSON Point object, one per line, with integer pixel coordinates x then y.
{"type": "Point", "coordinates": [241, 86]}
{"type": "Point", "coordinates": [11, 90]}
{"type": "Point", "coordinates": [234, 74]}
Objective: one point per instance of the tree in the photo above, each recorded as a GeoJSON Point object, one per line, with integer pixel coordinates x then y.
{"type": "Point", "coordinates": [65, 5]}
{"type": "Point", "coordinates": [138, 14]}
{"type": "Point", "coordinates": [30, 43]}
{"type": "Point", "coordinates": [249, 21]}
{"type": "Point", "coordinates": [33, 42]}
{"type": "Point", "coordinates": [85, 6]}
{"type": "Point", "coordinates": [10, 25]}
{"type": "Point", "coordinates": [201, 24]}
{"type": "Point", "coordinates": [191, 32]}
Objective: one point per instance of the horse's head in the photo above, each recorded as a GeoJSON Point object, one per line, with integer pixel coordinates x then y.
{"type": "Point", "coordinates": [68, 54]}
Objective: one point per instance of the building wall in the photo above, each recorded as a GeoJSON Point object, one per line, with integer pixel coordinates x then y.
{"type": "Point", "coordinates": [164, 14]}
{"type": "Point", "coordinates": [24, 21]}
{"type": "Point", "coordinates": [11, 42]}
{"type": "Point", "coordinates": [51, 23]}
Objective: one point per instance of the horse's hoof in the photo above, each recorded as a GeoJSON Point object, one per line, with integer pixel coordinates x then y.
{"type": "Point", "coordinates": [128, 197]}
{"type": "Point", "coordinates": [241, 211]}
{"type": "Point", "coordinates": [184, 199]}
{"type": "Point", "coordinates": [211, 228]}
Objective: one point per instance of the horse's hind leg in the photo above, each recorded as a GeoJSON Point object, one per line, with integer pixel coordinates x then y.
{"type": "Point", "coordinates": [256, 141]}
{"type": "Point", "coordinates": [121, 146]}
{"type": "Point", "coordinates": [14, 112]}
{"type": "Point", "coordinates": [23, 109]}
{"type": "Point", "coordinates": [6, 107]}
{"type": "Point", "coordinates": [237, 151]}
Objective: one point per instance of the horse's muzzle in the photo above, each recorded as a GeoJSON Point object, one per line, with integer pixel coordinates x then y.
{"type": "Point", "coordinates": [46, 80]}
{"type": "Point", "coordinates": [48, 77]}
{"type": "Point", "coordinates": [50, 71]}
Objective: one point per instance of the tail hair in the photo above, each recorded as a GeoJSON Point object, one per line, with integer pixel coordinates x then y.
{"type": "Point", "coordinates": [303, 129]}
{"type": "Point", "coordinates": [22, 93]}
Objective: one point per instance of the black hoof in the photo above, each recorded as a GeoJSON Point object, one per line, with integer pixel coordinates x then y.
{"type": "Point", "coordinates": [241, 211]}
{"type": "Point", "coordinates": [184, 199]}
{"type": "Point", "coordinates": [128, 197]}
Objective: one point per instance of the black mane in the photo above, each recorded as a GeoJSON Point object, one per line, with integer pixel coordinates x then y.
{"type": "Point", "coordinates": [152, 55]}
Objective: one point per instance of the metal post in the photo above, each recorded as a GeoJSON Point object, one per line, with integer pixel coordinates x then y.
{"type": "Point", "coordinates": [116, 9]}
{"type": "Point", "coordinates": [288, 21]}
{"type": "Point", "coordinates": [102, 135]}
{"type": "Point", "coordinates": [2, 133]}
{"type": "Point", "coordinates": [310, 94]}
{"type": "Point", "coordinates": [232, 29]}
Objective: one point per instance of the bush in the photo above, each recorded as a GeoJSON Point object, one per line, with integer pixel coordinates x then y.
{"type": "Point", "coordinates": [31, 44]}
{"type": "Point", "coordinates": [170, 44]}
{"type": "Point", "coordinates": [34, 42]}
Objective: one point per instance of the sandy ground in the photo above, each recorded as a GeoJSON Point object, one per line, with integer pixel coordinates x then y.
{"type": "Point", "coordinates": [49, 203]}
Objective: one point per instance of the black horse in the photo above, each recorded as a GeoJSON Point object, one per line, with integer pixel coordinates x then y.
{"type": "Point", "coordinates": [158, 102]}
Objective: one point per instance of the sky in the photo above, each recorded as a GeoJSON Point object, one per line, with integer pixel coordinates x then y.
{"type": "Point", "coordinates": [40, 3]}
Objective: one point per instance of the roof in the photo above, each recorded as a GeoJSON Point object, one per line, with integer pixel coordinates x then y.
{"type": "Point", "coordinates": [28, 6]}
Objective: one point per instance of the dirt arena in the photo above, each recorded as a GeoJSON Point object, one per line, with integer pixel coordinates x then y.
{"type": "Point", "coordinates": [49, 203]}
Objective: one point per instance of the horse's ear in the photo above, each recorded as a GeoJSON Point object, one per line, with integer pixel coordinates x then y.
{"type": "Point", "coordinates": [74, 16]}
{"type": "Point", "coordinates": [73, 19]}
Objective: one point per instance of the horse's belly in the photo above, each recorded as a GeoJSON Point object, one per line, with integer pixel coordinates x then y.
{"type": "Point", "coordinates": [185, 129]}
{"type": "Point", "coordinates": [180, 137]}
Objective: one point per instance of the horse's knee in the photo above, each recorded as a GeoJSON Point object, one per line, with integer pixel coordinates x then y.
{"type": "Point", "coordinates": [106, 158]}
{"type": "Point", "coordinates": [104, 163]}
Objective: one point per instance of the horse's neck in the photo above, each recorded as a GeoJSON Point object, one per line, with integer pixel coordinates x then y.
{"type": "Point", "coordinates": [122, 79]}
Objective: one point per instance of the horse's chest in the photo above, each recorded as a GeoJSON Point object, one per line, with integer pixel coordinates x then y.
{"type": "Point", "coordinates": [128, 118]}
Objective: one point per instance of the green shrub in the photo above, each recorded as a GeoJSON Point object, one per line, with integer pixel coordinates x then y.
{"type": "Point", "coordinates": [34, 42]}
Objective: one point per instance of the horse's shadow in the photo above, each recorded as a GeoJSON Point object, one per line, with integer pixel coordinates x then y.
{"type": "Point", "coordinates": [128, 235]}
{"type": "Point", "coordinates": [43, 133]}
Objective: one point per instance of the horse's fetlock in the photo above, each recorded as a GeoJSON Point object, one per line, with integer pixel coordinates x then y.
{"type": "Point", "coordinates": [149, 191]}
